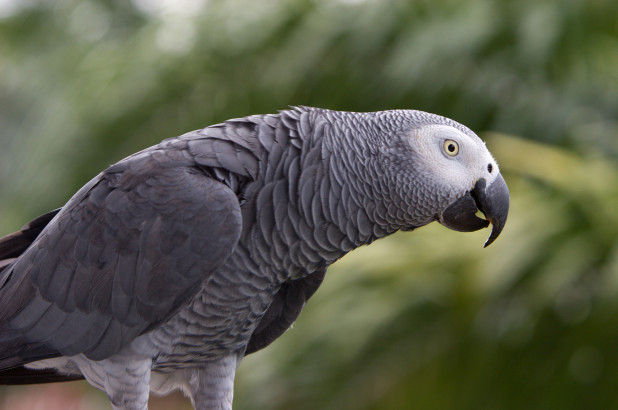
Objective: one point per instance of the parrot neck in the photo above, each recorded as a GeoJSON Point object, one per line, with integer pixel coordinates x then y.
{"type": "Point", "coordinates": [363, 179]}
{"type": "Point", "coordinates": [308, 208]}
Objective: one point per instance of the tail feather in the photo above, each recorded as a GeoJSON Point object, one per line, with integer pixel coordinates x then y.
{"type": "Point", "coordinates": [22, 375]}
{"type": "Point", "coordinates": [13, 245]}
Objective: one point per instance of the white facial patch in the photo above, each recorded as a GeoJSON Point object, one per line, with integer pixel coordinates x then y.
{"type": "Point", "coordinates": [452, 156]}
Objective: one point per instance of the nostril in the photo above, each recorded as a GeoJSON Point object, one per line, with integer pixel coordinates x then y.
{"type": "Point", "coordinates": [490, 168]}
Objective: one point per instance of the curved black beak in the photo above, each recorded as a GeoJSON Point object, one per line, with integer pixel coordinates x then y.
{"type": "Point", "coordinates": [492, 201]}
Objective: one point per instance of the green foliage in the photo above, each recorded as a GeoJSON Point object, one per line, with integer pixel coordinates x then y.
{"type": "Point", "coordinates": [420, 320]}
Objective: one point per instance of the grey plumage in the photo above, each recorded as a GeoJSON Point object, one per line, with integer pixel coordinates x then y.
{"type": "Point", "coordinates": [180, 259]}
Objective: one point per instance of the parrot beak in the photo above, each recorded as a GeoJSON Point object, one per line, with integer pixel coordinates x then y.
{"type": "Point", "coordinates": [492, 201]}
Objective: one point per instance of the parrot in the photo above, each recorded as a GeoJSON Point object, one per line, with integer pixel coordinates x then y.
{"type": "Point", "coordinates": [167, 268]}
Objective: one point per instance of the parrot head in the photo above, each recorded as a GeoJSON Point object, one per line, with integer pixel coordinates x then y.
{"type": "Point", "coordinates": [463, 177]}
{"type": "Point", "coordinates": [408, 168]}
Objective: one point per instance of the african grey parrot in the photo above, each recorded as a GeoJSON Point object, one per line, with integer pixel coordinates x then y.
{"type": "Point", "coordinates": [168, 267]}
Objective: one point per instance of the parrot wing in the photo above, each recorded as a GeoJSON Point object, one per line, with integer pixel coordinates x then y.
{"type": "Point", "coordinates": [122, 256]}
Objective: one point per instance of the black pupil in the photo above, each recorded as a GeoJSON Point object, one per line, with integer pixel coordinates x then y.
{"type": "Point", "coordinates": [490, 168]}
{"type": "Point", "coordinates": [451, 147]}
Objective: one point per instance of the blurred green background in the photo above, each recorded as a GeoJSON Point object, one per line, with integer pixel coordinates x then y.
{"type": "Point", "coordinates": [423, 320]}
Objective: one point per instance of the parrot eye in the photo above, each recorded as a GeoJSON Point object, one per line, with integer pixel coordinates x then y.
{"type": "Point", "coordinates": [451, 147]}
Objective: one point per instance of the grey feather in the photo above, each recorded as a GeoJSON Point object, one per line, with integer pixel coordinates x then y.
{"type": "Point", "coordinates": [182, 258]}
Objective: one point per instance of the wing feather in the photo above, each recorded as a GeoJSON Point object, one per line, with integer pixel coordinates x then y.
{"type": "Point", "coordinates": [122, 256]}
{"type": "Point", "coordinates": [284, 310]}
